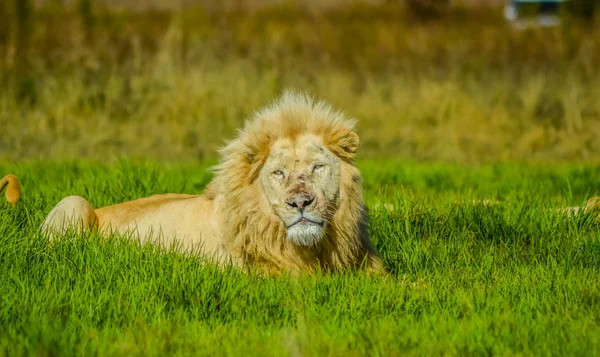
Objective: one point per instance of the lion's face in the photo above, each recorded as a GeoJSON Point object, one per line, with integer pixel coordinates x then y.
{"type": "Point", "coordinates": [301, 181]}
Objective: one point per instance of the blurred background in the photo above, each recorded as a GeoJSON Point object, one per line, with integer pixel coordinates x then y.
{"type": "Point", "coordinates": [429, 80]}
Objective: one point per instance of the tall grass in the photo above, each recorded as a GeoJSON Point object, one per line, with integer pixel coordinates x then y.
{"type": "Point", "coordinates": [87, 81]}
{"type": "Point", "coordinates": [515, 278]}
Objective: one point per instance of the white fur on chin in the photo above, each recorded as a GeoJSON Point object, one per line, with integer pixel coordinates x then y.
{"type": "Point", "coordinates": [305, 233]}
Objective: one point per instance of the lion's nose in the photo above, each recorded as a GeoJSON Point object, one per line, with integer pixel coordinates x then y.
{"type": "Point", "coordinates": [301, 202]}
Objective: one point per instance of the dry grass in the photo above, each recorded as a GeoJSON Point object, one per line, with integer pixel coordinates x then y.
{"type": "Point", "coordinates": [87, 82]}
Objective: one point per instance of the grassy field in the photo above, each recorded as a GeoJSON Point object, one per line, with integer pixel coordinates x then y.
{"type": "Point", "coordinates": [453, 104]}
{"type": "Point", "coordinates": [515, 278]}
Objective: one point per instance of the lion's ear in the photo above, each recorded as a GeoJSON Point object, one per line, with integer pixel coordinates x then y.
{"type": "Point", "coordinates": [350, 142]}
{"type": "Point", "coordinates": [255, 160]}
{"type": "Point", "coordinates": [345, 145]}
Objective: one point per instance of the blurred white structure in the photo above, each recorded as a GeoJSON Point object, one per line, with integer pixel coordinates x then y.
{"type": "Point", "coordinates": [525, 13]}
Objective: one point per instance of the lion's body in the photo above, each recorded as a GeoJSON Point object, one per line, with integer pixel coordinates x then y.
{"type": "Point", "coordinates": [310, 215]}
{"type": "Point", "coordinates": [171, 215]}
{"type": "Point", "coordinates": [190, 221]}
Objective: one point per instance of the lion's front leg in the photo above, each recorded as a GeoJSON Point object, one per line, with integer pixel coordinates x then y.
{"type": "Point", "coordinates": [73, 212]}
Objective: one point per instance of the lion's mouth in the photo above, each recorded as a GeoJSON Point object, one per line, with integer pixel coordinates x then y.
{"type": "Point", "coordinates": [305, 220]}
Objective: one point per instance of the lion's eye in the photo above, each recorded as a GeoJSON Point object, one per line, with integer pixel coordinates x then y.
{"type": "Point", "coordinates": [278, 174]}
{"type": "Point", "coordinates": [318, 167]}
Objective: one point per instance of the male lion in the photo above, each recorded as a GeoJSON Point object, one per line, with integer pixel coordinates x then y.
{"type": "Point", "coordinates": [285, 197]}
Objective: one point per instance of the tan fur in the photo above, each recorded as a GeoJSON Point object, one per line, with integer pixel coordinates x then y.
{"type": "Point", "coordinates": [13, 191]}
{"type": "Point", "coordinates": [591, 205]}
{"type": "Point", "coordinates": [233, 220]}
{"type": "Point", "coordinates": [346, 245]}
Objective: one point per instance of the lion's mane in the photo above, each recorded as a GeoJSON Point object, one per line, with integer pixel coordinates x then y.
{"type": "Point", "coordinates": [252, 232]}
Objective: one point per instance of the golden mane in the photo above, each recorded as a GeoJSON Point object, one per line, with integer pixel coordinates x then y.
{"type": "Point", "coordinates": [252, 231]}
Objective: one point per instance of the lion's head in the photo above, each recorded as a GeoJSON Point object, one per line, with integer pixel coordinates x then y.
{"type": "Point", "coordinates": [292, 196]}
{"type": "Point", "coordinates": [301, 181]}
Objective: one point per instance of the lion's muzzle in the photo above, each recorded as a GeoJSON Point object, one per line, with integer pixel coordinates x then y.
{"type": "Point", "coordinates": [301, 200]}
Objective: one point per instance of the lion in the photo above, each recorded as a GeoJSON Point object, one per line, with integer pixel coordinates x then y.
{"type": "Point", "coordinates": [285, 197]}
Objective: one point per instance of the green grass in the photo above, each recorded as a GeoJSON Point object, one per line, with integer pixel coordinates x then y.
{"type": "Point", "coordinates": [511, 279]}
